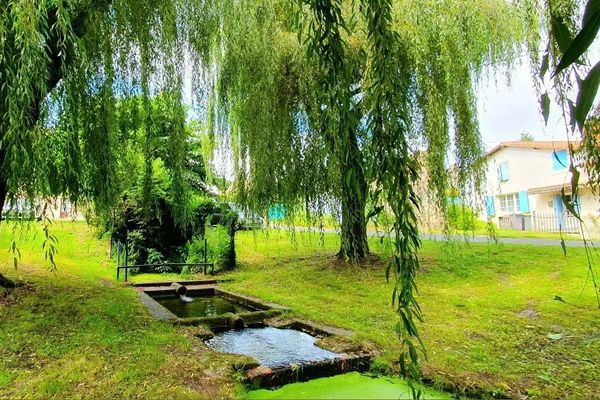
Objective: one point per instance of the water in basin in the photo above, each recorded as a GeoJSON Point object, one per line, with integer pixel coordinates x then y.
{"type": "Point", "coordinates": [271, 347]}
{"type": "Point", "coordinates": [204, 306]}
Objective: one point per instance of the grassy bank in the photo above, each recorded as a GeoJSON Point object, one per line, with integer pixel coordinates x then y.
{"type": "Point", "coordinates": [77, 333]}
{"type": "Point", "coordinates": [491, 322]}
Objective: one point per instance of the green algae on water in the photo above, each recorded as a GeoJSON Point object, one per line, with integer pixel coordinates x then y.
{"type": "Point", "coordinates": [348, 386]}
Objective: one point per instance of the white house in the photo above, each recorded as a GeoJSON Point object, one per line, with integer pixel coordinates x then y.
{"type": "Point", "coordinates": [524, 185]}
{"type": "Point", "coordinates": [56, 209]}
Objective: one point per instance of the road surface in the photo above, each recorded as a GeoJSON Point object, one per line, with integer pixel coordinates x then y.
{"type": "Point", "coordinates": [469, 238]}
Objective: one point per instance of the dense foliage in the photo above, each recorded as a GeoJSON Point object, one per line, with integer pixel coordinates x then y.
{"type": "Point", "coordinates": [158, 186]}
{"type": "Point", "coordinates": [303, 131]}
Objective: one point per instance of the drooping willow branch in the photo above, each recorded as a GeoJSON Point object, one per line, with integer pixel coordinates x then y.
{"type": "Point", "coordinates": [395, 172]}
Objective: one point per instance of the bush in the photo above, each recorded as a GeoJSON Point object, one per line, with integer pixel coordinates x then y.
{"type": "Point", "coordinates": [463, 218]}
{"type": "Point", "coordinates": [217, 240]}
{"type": "Point", "coordinates": [156, 257]}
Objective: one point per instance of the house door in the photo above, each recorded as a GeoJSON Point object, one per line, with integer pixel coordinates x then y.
{"type": "Point", "coordinates": [559, 208]}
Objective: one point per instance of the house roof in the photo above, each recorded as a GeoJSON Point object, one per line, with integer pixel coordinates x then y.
{"type": "Point", "coordinates": [536, 144]}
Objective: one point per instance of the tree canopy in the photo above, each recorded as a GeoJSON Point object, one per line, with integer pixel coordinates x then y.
{"type": "Point", "coordinates": [326, 106]}
{"type": "Point", "coordinates": [281, 111]}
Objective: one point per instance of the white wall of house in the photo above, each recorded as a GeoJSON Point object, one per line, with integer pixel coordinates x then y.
{"type": "Point", "coordinates": [59, 208]}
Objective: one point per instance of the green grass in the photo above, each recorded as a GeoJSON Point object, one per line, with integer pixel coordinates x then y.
{"type": "Point", "coordinates": [471, 296]}
{"type": "Point", "coordinates": [78, 333]}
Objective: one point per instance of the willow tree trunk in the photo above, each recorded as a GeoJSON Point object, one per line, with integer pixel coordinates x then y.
{"type": "Point", "coordinates": [4, 281]}
{"type": "Point", "coordinates": [354, 245]}
{"type": "Point", "coordinates": [3, 184]}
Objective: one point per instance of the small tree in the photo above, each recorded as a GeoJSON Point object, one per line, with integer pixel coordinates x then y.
{"type": "Point", "coordinates": [526, 137]}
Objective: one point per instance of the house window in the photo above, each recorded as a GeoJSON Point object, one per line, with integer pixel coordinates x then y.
{"type": "Point", "coordinates": [509, 203]}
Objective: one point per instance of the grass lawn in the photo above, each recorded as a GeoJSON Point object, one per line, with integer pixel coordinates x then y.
{"type": "Point", "coordinates": [491, 322]}
{"type": "Point", "coordinates": [77, 333]}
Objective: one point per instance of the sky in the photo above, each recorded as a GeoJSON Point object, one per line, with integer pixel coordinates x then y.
{"type": "Point", "coordinates": [507, 109]}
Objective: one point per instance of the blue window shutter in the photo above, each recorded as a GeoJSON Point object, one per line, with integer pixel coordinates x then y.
{"type": "Point", "coordinates": [524, 202]}
{"type": "Point", "coordinates": [490, 206]}
{"type": "Point", "coordinates": [559, 160]}
{"type": "Point", "coordinates": [577, 204]}
{"type": "Point", "coordinates": [503, 169]}
{"type": "Point", "coordinates": [277, 212]}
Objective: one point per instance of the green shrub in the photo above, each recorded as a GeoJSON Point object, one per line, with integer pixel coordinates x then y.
{"type": "Point", "coordinates": [217, 241]}
{"type": "Point", "coordinates": [156, 257]}
{"type": "Point", "coordinates": [463, 218]}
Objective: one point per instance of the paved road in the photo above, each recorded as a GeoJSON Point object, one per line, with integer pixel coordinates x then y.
{"type": "Point", "coordinates": [534, 241]}
{"type": "Point", "coordinates": [475, 239]}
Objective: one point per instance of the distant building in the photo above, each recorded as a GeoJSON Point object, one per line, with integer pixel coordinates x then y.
{"type": "Point", "coordinates": [55, 209]}
{"type": "Point", "coordinates": [524, 185]}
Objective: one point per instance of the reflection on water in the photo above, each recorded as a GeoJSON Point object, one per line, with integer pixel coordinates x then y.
{"type": "Point", "coordinates": [271, 347]}
{"type": "Point", "coordinates": [205, 306]}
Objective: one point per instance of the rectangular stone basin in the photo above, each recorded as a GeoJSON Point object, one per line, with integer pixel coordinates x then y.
{"type": "Point", "coordinates": [201, 306]}
{"type": "Point", "coordinates": [292, 352]}
{"type": "Point", "coordinates": [210, 306]}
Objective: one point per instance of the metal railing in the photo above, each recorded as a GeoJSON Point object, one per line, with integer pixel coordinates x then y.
{"type": "Point", "coordinates": [540, 222]}
{"type": "Point", "coordinates": [121, 251]}
{"type": "Point", "coordinates": [566, 223]}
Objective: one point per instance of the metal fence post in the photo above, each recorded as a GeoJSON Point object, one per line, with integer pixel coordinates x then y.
{"type": "Point", "coordinates": [126, 254]}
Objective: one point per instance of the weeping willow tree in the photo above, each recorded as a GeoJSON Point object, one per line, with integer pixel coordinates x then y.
{"type": "Point", "coordinates": [305, 94]}
{"type": "Point", "coordinates": [332, 105]}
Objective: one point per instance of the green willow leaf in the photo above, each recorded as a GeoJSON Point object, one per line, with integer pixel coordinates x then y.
{"type": "Point", "coordinates": [569, 204]}
{"type": "Point", "coordinates": [545, 104]}
{"type": "Point", "coordinates": [582, 41]}
{"type": "Point", "coordinates": [559, 298]}
{"type": "Point", "coordinates": [588, 89]}
{"type": "Point", "coordinates": [591, 7]}
{"type": "Point", "coordinates": [561, 33]}
{"type": "Point", "coordinates": [545, 65]}
{"type": "Point", "coordinates": [563, 245]}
